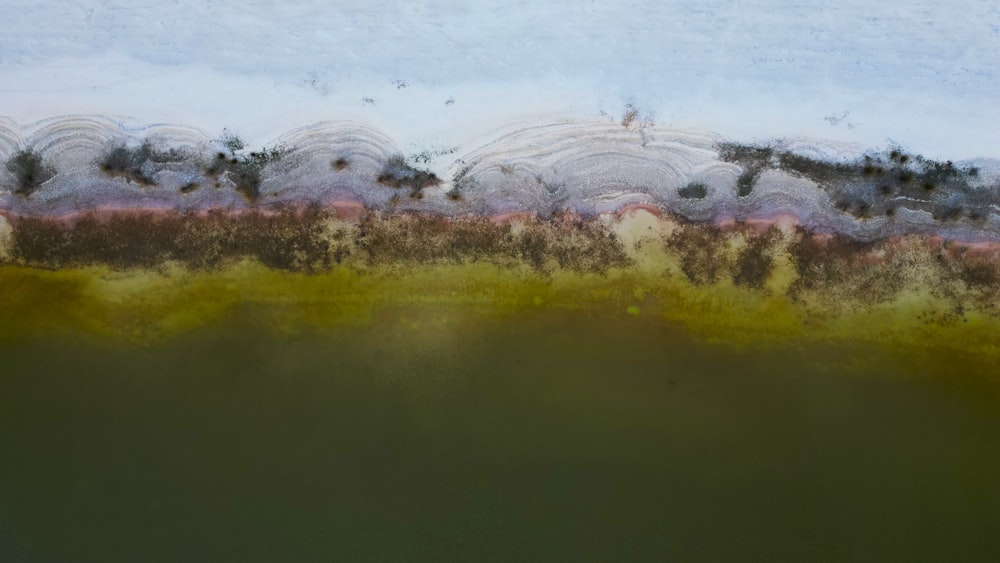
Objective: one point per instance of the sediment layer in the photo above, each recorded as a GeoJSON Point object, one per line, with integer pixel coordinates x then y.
{"type": "Point", "coordinates": [72, 164]}
{"type": "Point", "coordinates": [141, 233]}
{"type": "Point", "coordinates": [144, 276]}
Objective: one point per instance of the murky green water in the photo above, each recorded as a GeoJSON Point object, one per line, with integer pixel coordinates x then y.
{"type": "Point", "coordinates": [440, 436]}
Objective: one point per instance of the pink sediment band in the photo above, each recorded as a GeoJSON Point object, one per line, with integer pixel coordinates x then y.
{"type": "Point", "coordinates": [634, 208]}
{"type": "Point", "coordinates": [976, 248]}
{"type": "Point", "coordinates": [760, 223]}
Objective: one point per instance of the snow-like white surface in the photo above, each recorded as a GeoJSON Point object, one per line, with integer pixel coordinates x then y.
{"type": "Point", "coordinates": [586, 167]}
{"type": "Point", "coordinates": [452, 74]}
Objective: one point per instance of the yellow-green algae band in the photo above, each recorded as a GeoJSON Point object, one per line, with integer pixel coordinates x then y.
{"type": "Point", "coordinates": [943, 325]}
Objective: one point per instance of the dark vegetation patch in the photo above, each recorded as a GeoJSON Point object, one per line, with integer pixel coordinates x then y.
{"type": "Point", "coordinates": [841, 269]}
{"type": "Point", "coordinates": [340, 164]}
{"type": "Point", "coordinates": [574, 243]}
{"type": "Point", "coordinates": [425, 156]}
{"type": "Point", "coordinates": [286, 239]}
{"type": "Point", "coordinates": [972, 279]}
{"type": "Point", "coordinates": [139, 164]}
{"type": "Point", "coordinates": [703, 250]}
{"type": "Point", "coordinates": [300, 240]}
{"type": "Point", "coordinates": [751, 156]}
{"type": "Point", "coordinates": [189, 187]}
{"type": "Point", "coordinates": [822, 172]}
{"type": "Point", "coordinates": [947, 212]}
{"type": "Point", "coordinates": [875, 184]}
{"type": "Point", "coordinates": [693, 190]}
{"type": "Point", "coordinates": [30, 171]}
{"type": "Point", "coordinates": [460, 176]}
{"type": "Point", "coordinates": [746, 181]}
{"type": "Point", "coordinates": [706, 255]}
{"type": "Point", "coordinates": [461, 181]}
{"type": "Point", "coordinates": [244, 170]}
{"type": "Point", "coordinates": [753, 159]}
{"type": "Point", "coordinates": [755, 261]}
{"type": "Point", "coordinates": [630, 115]}
{"type": "Point", "coordinates": [566, 242]}
{"type": "Point", "coordinates": [979, 273]}
{"type": "Point", "coordinates": [397, 173]}
{"type": "Point", "coordinates": [423, 239]}
{"type": "Point", "coordinates": [836, 270]}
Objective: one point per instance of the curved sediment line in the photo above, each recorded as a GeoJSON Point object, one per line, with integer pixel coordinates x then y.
{"type": "Point", "coordinates": [583, 166]}
{"type": "Point", "coordinates": [578, 167]}
{"type": "Point", "coordinates": [557, 148]}
{"type": "Point", "coordinates": [331, 137]}
{"type": "Point", "coordinates": [72, 136]}
{"type": "Point", "coordinates": [333, 161]}
{"type": "Point", "coordinates": [11, 139]}
{"type": "Point", "coordinates": [171, 136]}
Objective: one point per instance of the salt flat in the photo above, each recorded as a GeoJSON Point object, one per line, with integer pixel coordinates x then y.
{"type": "Point", "coordinates": [443, 74]}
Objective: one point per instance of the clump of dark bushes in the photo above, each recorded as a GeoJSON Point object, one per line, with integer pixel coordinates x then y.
{"type": "Point", "coordinates": [753, 159]}
{"type": "Point", "coordinates": [706, 257]}
{"type": "Point", "coordinates": [874, 184]}
{"type": "Point", "coordinates": [244, 170]}
{"type": "Point", "coordinates": [30, 171]}
{"type": "Point", "coordinates": [139, 164]}
{"type": "Point", "coordinates": [397, 173]}
{"type": "Point", "coordinates": [701, 249]}
{"type": "Point", "coordinates": [694, 190]}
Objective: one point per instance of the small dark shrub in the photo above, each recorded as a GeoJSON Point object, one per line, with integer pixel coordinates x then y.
{"type": "Point", "coordinates": [136, 164]}
{"type": "Point", "coordinates": [397, 173]}
{"type": "Point", "coordinates": [30, 170]}
{"type": "Point", "coordinates": [754, 264]}
{"type": "Point", "coordinates": [693, 191]}
{"type": "Point", "coordinates": [701, 251]}
{"type": "Point", "coordinates": [753, 159]}
{"type": "Point", "coordinates": [245, 171]}
{"type": "Point", "coordinates": [233, 143]}
{"type": "Point", "coordinates": [630, 114]}
{"type": "Point", "coordinates": [745, 183]}
{"type": "Point", "coordinates": [750, 156]}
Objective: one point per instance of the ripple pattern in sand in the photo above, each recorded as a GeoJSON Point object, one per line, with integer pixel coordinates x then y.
{"type": "Point", "coordinates": [577, 166]}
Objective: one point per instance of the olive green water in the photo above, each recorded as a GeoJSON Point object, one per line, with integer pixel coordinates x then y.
{"type": "Point", "coordinates": [439, 434]}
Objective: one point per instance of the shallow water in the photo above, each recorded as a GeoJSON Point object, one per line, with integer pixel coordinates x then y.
{"type": "Point", "coordinates": [441, 434]}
